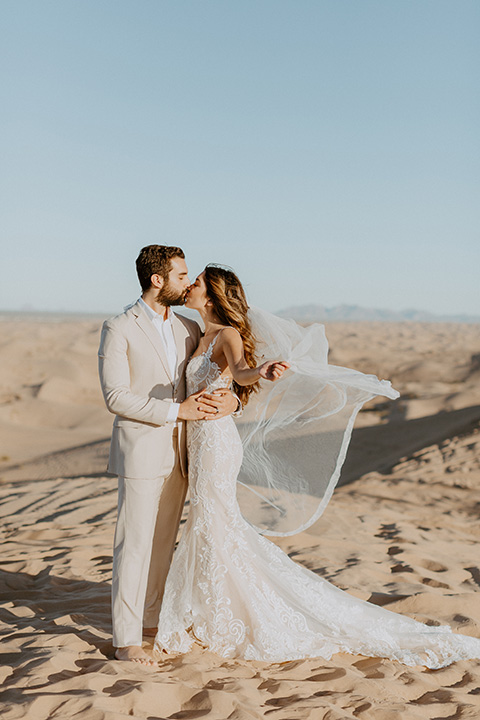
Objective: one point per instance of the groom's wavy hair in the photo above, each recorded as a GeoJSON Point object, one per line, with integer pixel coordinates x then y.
{"type": "Point", "coordinates": [225, 291]}
{"type": "Point", "coordinates": [156, 260]}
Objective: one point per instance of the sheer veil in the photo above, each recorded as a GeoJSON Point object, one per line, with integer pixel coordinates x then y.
{"type": "Point", "coordinates": [296, 431]}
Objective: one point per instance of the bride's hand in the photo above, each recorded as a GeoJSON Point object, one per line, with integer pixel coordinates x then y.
{"type": "Point", "coordinates": [273, 370]}
{"type": "Point", "coordinates": [196, 407]}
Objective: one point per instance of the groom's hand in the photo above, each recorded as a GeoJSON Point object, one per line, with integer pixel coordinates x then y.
{"type": "Point", "coordinates": [222, 402]}
{"type": "Point", "coordinates": [198, 407]}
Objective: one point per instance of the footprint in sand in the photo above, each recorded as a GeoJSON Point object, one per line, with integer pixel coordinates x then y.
{"type": "Point", "coordinates": [401, 567]}
{"type": "Point", "coordinates": [388, 531]}
{"type": "Point", "coordinates": [434, 583]}
{"type": "Point", "coordinates": [328, 675]}
{"type": "Point", "coordinates": [371, 668]}
{"type": "Point", "coordinates": [433, 566]}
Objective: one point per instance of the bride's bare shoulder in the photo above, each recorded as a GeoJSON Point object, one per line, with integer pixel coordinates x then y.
{"type": "Point", "coordinates": [229, 335]}
{"type": "Point", "coordinates": [229, 332]}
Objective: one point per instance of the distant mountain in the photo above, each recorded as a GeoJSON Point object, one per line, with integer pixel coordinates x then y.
{"type": "Point", "coordinates": [354, 313]}
{"type": "Point", "coordinates": [301, 313]}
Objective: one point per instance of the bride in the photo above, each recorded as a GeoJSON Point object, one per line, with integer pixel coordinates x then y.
{"type": "Point", "coordinates": [229, 587]}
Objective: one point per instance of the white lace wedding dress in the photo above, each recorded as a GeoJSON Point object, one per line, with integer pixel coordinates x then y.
{"type": "Point", "coordinates": [236, 593]}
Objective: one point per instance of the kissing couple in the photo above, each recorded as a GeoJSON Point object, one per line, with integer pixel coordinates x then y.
{"type": "Point", "coordinates": [176, 392]}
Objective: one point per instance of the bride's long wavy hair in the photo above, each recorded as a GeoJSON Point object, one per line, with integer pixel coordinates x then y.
{"type": "Point", "coordinates": [225, 291]}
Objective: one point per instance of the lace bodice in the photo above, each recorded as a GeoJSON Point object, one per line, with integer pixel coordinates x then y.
{"type": "Point", "coordinates": [203, 372]}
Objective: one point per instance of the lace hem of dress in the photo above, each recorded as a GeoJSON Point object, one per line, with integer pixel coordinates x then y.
{"type": "Point", "coordinates": [447, 651]}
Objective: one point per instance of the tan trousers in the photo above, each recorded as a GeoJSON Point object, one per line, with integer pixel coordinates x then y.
{"type": "Point", "coordinates": [149, 514]}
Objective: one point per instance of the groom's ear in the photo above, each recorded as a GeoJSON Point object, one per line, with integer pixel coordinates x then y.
{"type": "Point", "coordinates": [157, 281]}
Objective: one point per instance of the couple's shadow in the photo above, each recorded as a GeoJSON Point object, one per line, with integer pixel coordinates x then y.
{"type": "Point", "coordinates": [38, 613]}
{"type": "Point", "coordinates": [49, 605]}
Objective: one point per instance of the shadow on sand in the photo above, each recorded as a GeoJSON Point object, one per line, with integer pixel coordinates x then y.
{"type": "Point", "coordinates": [56, 605]}
{"type": "Point", "coordinates": [380, 447]}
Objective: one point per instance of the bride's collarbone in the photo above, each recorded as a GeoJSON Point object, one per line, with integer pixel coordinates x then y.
{"type": "Point", "coordinates": [216, 353]}
{"type": "Point", "coordinates": [213, 336]}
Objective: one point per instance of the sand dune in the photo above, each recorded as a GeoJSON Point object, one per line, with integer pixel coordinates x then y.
{"type": "Point", "coordinates": [50, 397]}
{"type": "Point", "coordinates": [403, 532]}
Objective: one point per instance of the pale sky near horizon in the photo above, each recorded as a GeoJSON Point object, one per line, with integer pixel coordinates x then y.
{"type": "Point", "coordinates": [327, 150]}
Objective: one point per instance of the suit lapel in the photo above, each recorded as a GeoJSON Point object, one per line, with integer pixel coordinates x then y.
{"type": "Point", "coordinates": [180, 334]}
{"type": "Point", "coordinates": [186, 341]}
{"type": "Point", "coordinates": [150, 331]}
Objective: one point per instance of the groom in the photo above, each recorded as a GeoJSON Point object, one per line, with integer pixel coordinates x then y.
{"type": "Point", "coordinates": [143, 355]}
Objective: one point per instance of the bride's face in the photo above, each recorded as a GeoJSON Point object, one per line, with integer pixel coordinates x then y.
{"type": "Point", "coordinates": [197, 294]}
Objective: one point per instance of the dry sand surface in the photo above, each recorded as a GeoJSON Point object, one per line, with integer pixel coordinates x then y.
{"type": "Point", "coordinates": [403, 531]}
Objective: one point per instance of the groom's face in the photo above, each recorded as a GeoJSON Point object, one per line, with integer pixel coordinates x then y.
{"type": "Point", "coordinates": [174, 289]}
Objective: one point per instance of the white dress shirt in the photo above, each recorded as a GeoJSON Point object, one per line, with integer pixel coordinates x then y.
{"type": "Point", "coordinates": [165, 330]}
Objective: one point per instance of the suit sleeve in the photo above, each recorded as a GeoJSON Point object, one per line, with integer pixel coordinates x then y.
{"type": "Point", "coordinates": [114, 374]}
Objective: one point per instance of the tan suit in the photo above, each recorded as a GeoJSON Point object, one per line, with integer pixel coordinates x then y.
{"type": "Point", "coordinates": [149, 456]}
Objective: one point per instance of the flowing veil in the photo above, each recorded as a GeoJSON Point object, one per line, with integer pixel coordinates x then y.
{"type": "Point", "coordinates": [295, 432]}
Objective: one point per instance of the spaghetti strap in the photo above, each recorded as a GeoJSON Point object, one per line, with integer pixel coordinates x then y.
{"type": "Point", "coordinates": [215, 339]}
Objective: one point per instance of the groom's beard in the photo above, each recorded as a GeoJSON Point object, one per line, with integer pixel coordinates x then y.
{"type": "Point", "coordinates": [166, 296]}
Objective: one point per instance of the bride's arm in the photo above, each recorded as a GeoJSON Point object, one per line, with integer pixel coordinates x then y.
{"type": "Point", "coordinates": [232, 346]}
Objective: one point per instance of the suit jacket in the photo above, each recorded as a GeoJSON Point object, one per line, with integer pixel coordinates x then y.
{"type": "Point", "coordinates": [138, 388]}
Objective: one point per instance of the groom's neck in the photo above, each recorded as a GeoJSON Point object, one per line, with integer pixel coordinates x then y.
{"type": "Point", "coordinates": [149, 298]}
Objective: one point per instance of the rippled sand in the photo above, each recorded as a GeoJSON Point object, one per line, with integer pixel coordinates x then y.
{"type": "Point", "coordinates": [403, 531]}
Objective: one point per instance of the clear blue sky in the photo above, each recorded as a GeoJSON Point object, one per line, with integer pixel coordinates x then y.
{"type": "Point", "coordinates": [328, 150]}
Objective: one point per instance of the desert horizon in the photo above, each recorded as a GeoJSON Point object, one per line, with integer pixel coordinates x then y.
{"type": "Point", "coordinates": [302, 313]}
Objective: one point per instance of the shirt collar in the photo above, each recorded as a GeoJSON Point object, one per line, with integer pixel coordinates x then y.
{"type": "Point", "coordinates": [154, 315]}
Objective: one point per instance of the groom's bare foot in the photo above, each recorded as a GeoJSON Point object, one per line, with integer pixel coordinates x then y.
{"type": "Point", "coordinates": [150, 632]}
{"type": "Point", "coordinates": [134, 653]}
